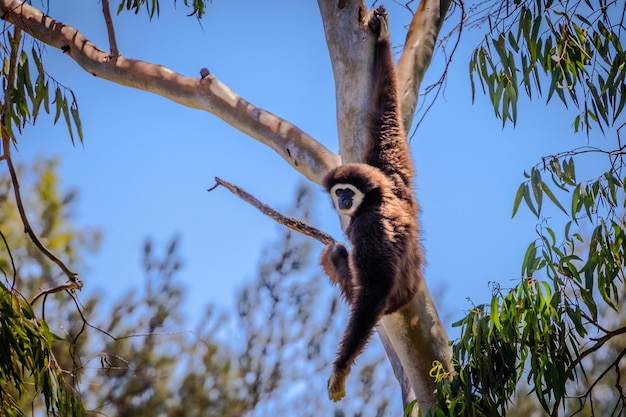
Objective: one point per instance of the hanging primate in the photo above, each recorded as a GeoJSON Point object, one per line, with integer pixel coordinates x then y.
{"type": "Point", "coordinates": [380, 274]}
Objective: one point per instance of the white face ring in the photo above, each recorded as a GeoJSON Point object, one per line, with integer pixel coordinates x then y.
{"type": "Point", "coordinates": [356, 199]}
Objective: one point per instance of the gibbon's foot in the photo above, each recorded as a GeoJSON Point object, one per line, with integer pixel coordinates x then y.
{"type": "Point", "coordinates": [378, 22]}
{"type": "Point", "coordinates": [337, 385]}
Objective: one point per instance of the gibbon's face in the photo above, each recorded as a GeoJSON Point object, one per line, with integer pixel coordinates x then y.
{"type": "Point", "coordinates": [346, 198]}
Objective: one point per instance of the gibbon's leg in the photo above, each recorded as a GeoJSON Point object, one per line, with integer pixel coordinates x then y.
{"type": "Point", "coordinates": [367, 308]}
{"type": "Point", "coordinates": [334, 261]}
{"type": "Point", "coordinates": [373, 261]}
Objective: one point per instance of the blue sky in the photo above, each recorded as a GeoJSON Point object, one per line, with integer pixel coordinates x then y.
{"type": "Point", "coordinates": [146, 162]}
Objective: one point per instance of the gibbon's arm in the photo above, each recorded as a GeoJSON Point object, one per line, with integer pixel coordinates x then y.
{"type": "Point", "coordinates": [334, 261]}
{"type": "Point", "coordinates": [388, 149]}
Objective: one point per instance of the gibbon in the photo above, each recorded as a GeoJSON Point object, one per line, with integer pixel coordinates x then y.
{"type": "Point", "coordinates": [380, 274]}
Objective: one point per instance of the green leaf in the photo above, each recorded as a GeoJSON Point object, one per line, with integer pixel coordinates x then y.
{"type": "Point", "coordinates": [590, 303]}
{"type": "Point", "coordinates": [570, 172]}
{"type": "Point", "coordinates": [528, 201]}
{"type": "Point", "coordinates": [548, 192]}
{"type": "Point", "coordinates": [622, 100]}
{"type": "Point", "coordinates": [535, 183]}
{"type": "Point", "coordinates": [512, 91]}
{"type": "Point", "coordinates": [577, 124]}
{"type": "Point", "coordinates": [568, 226]}
{"type": "Point", "coordinates": [518, 198]}
{"type": "Point", "coordinates": [576, 317]}
{"type": "Point", "coordinates": [528, 265]}
{"type": "Point", "coordinates": [495, 314]}
{"type": "Point", "coordinates": [46, 99]}
{"type": "Point", "coordinates": [513, 42]}
{"type": "Point", "coordinates": [66, 115]}
{"type": "Point", "coordinates": [77, 122]}
{"type": "Point", "coordinates": [58, 100]}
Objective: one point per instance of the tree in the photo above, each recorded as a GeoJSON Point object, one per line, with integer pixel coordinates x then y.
{"type": "Point", "coordinates": [512, 332]}
{"type": "Point", "coordinates": [400, 335]}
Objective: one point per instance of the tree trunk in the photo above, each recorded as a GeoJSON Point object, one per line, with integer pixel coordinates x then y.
{"type": "Point", "coordinates": [414, 337]}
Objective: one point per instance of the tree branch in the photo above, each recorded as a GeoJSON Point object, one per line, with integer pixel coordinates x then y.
{"type": "Point", "coordinates": [419, 47]}
{"type": "Point", "coordinates": [304, 153]}
{"type": "Point", "coordinates": [68, 286]}
{"type": "Point", "coordinates": [615, 364]}
{"type": "Point", "coordinates": [106, 11]}
{"type": "Point", "coordinates": [74, 282]}
{"type": "Point", "coordinates": [290, 222]}
{"type": "Point", "coordinates": [599, 343]}
{"type": "Point", "coordinates": [8, 248]}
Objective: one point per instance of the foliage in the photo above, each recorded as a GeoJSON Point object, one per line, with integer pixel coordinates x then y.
{"type": "Point", "coordinates": [573, 47]}
{"type": "Point", "coordinates": [153, 7]}
{"type": "Point", "coordinates": [555, 331]}
{"type": "Point", "coordinates": [560, 331]}
{"type": "Point", "coordinates": [22, 99]}
{"type": "Point", "coordinates": [26, 360]}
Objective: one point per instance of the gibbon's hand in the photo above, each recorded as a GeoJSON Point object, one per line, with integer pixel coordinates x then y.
{"type": "Point", "coordinates": [334, 257]}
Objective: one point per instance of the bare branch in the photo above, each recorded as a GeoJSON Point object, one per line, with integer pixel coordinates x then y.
{"type": "Point", "coordinates": [599, 343]}
{"type": "Point", "coordinates": [419, 48]}
{"type": "Point", "coordinates": [110, 29]}
{"type": "Point", "coordinates": [6, 245]}
{"type": "Point", "coordinates": [72, 276]}
{"type": "Point", "coordinates": [290, 222]}
{"type": "Point", "coordinates": [615, 364]}
{"type": "Point", "coordinates": [68, 286]}
{"type": "Point", "coordinates": [299, 149]}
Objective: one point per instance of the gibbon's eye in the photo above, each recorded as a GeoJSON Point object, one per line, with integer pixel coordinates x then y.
{"type": "Point", "coordinates": [338, 192]}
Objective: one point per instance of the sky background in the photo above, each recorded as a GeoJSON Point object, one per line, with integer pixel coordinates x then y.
{"type": "Point", "coordinates": [146, 162]}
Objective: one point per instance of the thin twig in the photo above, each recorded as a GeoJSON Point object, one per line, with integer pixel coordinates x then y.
{"type": "Point", "coordinates": [599, 343]}
{"type": "Point", "coordinates": [290, 222]}
{"type": "Point", "coordinates": [6, 244]}
{"type": "Point", "coordinates": [614, 364]}
{"type": "Point", "coordinates": [440, 85]}
{"type": "Point", "coordinates": [110, 29]}
{"type": "Point", "coordinates": [72, 276]}
{"type": "Point", "coordinates": [74, 282]}
{"type": "Point", "coordinates": [68, 286]}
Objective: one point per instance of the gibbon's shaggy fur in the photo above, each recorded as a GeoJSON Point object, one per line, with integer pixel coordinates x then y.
{"type": "Point", "coordinates": [381, 272]}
